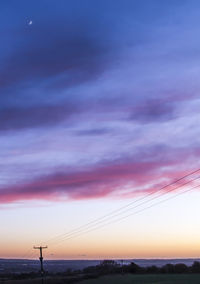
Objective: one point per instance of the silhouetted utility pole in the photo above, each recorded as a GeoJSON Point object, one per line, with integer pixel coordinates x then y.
{"type": "Point", "coordinates": [41, 257]}
{"type": "Point", "coordinates": [122, 261]}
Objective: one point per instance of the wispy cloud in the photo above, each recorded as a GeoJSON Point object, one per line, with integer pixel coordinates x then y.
{"type": "Point", "coordinates": [106, 178]}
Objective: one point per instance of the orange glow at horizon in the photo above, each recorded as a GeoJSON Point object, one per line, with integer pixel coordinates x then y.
{"type": "Point", "coordinates": [109, 250]}
{"type": "Point", "coordinates": [169, 231]}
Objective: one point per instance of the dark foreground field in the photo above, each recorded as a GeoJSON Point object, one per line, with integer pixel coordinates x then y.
{"type": "Point", "coordinates": [122, 279]}
{"type": "Point", "coordinates": [146, 279]}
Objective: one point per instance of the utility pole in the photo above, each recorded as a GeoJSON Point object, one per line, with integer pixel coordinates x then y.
{"type": "Point", "coordinates": [122, 261]}
{"type": "Point", "coordinates": [41, 257]}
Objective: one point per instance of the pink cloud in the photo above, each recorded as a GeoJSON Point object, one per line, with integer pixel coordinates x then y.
{"type": "Point", "coordinates": [109, 178]}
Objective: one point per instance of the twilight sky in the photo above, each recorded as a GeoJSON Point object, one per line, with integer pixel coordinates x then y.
{"type": "Point", "coordinates": [99, 103]}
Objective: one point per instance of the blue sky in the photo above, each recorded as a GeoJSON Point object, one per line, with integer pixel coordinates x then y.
{"type": "Point", "coordinates": [99, 102]}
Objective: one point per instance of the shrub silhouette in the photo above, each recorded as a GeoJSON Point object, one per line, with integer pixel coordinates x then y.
{"type": "Point", "coordinates": [168, 268]}
{"type": "Point", "coordinates": [195, 268]}
{"type": "Point", "coordinates": [181, 268]}
{"type": "Point", "coordinates": [152, 269]}
{"type": "Point", "coordinates": [134, 268]}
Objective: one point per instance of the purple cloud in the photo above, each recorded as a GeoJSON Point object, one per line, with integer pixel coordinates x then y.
{"type": "Point", "coordinates": [35, 116]}
{"type": "Point", "coordinates": [103, 179]}
{"type": "Point", "coordinates": [156, 110]}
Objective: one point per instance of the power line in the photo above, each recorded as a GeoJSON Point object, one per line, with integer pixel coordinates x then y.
{"type": "Point", "coordinates": [75, 232]}
{"type": "Point", "coordinates": [124, 217]}
{"type": "Point", "coordinates": [106, 216]}
{"type": "Point", "coordinates": [132, 208]}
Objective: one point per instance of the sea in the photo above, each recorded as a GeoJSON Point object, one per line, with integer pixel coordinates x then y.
{"type": "Point", "coordinates": [54, 266]}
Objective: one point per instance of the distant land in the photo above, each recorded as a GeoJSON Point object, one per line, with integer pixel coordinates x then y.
{"type": "Point", "coordinates": [53, 266]}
